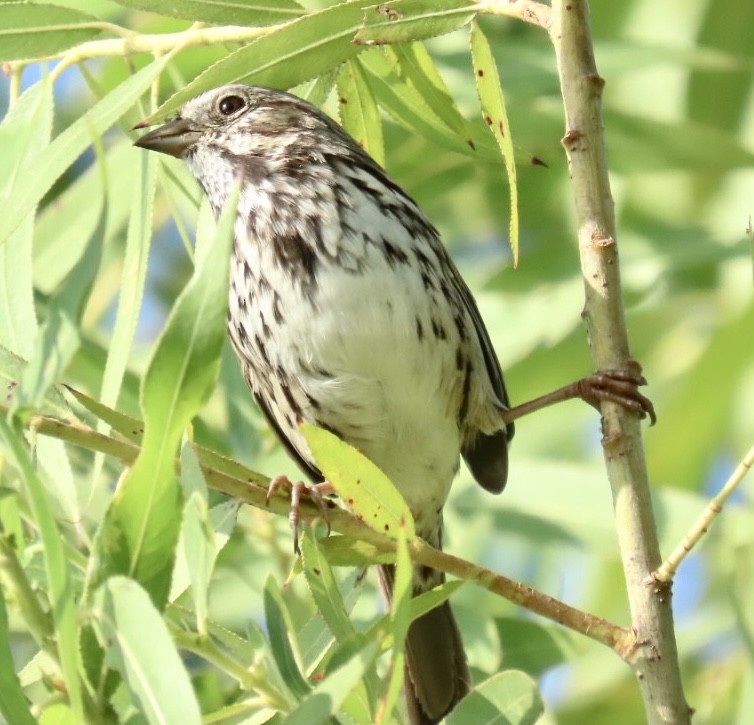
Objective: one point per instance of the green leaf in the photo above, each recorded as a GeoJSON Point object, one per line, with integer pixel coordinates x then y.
{"type": "Point", "coordinates": [24, 134]}
{"type": "Point", "coordinates": [507, 698]}
{"type": "Point", "coordinates": [324, 589]}
{"type": "Point", "coordinates": [426, 601]}
{"type": "Point", "coordinates": [282, 639]}
{"type": "Point", "coordinates": [59, 339]}
{"type": "Point", "coordinates": [59, 581]}
{"type": "Point", "coordinates": [347, 551]}
{"type": "Point", "coordinates": [406, 105]}
{"type": "Point", "coordinates": [58, 714]}
{"type": "Point", "coordinates": [400, 614]}
{"type": "Point", "coordinates": [496, 117]}
{"type": "Point", "coordinates": [140, 531]}
{"type": "Point", "coordinates": [358, 110]}
{"type": "Point", "coordinates": [401, 21]}
{"type": "Point", "coordinates": [29, 31]}
{"type": "Point", "coordinates": [534, 647]}
{"type": "Point", "coordinates": [138, 645]}
{"type": "Point", "coordinates": [133, 277]}
{"type": "Point", "coordinates": [71, 143]}
{"type": "Point", "coordinates": [361, 485]}
{"type": "Point", "coordinates": [63, 229]}
{"type": "Point", "coordinates": [11, 369]}
{"type": "Point", "coordinates": [197, 534]}
{"type": "Point", "coordinates": [416, 67]}
{"type": "Point", "coordinates": [646, 144]}
{"type": "Point", "coordinates": [52, 456]}
{"type": "Point", "coordinates": [325, 700]}
{"type": "Point", "coordinates": [13, 705]}
{"type": "Point", "coordinates": [221, 12]}
{"type": "Point", "coordinates": [681, 459]}
{"type": "Point", "coordinates": [297, 51]}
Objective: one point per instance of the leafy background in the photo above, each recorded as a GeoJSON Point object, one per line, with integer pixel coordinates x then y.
{"type": "Point", "coordinates": [679, 119]}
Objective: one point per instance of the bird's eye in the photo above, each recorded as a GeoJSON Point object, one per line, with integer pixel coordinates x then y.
{"type": "Point", "coordinates": [230, 105]}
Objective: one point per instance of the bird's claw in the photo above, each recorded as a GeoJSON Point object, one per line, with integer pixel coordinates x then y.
{"type": "Point", "coordinates": [617, 386]}
{"type": "Point", "coordinates": [316, 493]}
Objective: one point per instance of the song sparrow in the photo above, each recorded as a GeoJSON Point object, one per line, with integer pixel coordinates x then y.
{"type": "Point", "coordinates": [347, 312]}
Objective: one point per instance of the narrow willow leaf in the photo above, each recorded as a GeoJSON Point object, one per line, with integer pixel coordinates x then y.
{"type": "Point", "coordinates": [507, 697]}
{"type": "Point", "coordinates": [139, 646]}
{"type": "Point", "coordinates": [495, 116]}
{"type": "Point", "coordinates": [297, 51]}
{"type": "Point", "coordinates": [358, 110]}
{"type": "Point", "coordinates": [133, 277]}
{"type": "Point", "coordinates": [282, 639]}
{"type": "Point", "coordinates": [433, 598]}
{"type": "Point", "coordinates": [59, 338]}
{"type": "Point", "coordinates": [221, 12]}
{"type": "Point", "coordinates": [71, 143]}
{"type": "Point", "coordinates": [13, 705]}
{"type": "Point", "coordinates": [325, 700]}
{"type": "Point", "coordinates": [400, 614]}
{"type": "Point", "coordinates": [406, 105]}
{"type": "Point", "coordinates": [62, 229]}
{"type": "Point", "coordinates": [59, 581]}
{"type": "Point", "coordinates": [18, 319]}
{"type": "Point", "coordinates": [347, 551]}
{"type": "Point", "coordinates": [401, 21]}
{"type": "Point", "coordinates": [324, 589]}
{"type": "Point", "coordinates": [362, 486]}
{"type": "Point", "coordinates": [11, 369]}
{"type": "Point", "coordinates": [140, 532]}
{"type": "Point", "coordinates": [317, 90]}
{"type": "Point", "coordinates": [128, 427]}
{"type": "Point", "coordinates": [197, 535]}
{"type": "Point", "coordinates": [416, 66]}
{"type": "Point", "coordinates": [53, 458]}
{"type": "Point", "coordinates": [24, 135]}
{"type": "Point", "coordinates": [29, 31]}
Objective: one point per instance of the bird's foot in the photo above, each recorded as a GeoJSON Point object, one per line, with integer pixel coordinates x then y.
{"type": "Point", "coordinates": [316, 493]}
{"type": "Point", "coordinates": [617, 386]}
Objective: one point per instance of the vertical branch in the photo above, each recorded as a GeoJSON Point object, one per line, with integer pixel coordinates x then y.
{"type": "Point", "coordinates": [655, 661]}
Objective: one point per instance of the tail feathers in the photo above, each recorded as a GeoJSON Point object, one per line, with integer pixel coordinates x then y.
{"type": "Point", "coordinates": [436, 675]}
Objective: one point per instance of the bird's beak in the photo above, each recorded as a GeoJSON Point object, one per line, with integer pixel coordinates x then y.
{"type": "Point", "coordinates": [174, 138]}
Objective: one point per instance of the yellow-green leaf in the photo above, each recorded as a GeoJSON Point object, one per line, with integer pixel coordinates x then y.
{"type": "Point", "coordinates": [362, 486]}
{"type": "Point", "coordinates": [495, 116]}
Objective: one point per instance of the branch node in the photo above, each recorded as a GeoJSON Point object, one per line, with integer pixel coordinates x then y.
{"type": "Point", "coordinates": [597, 82]}
{"type": "Point", "coordinates": [571, 138]}
{"type": "Point", "coordinates": [600, 240]}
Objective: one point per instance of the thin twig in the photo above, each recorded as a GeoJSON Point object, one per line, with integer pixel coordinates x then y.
{"type": "Point", "coordinates": [666, 571]}
{"type": "Point", "coordinates": [235, 480]}
{"type": "Point", "coordinates": [656, 665]}
{"type": "Point", "coordinates": [131, 42]}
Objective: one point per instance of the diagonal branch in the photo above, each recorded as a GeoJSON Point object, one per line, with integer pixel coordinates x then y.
{"type": "Point", "coordinates": [233, 479]}
{"type": "Point", "coordinates": [656, 666]}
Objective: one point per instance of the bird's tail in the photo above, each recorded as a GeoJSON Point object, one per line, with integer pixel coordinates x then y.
{"type": "Point", "coordinates": [436, 675]}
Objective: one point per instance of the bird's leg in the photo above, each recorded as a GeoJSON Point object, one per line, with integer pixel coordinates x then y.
{"type": "Point", "coordinates": [617, 386]}
{"type": "Point", "coordinates": [316, 492]}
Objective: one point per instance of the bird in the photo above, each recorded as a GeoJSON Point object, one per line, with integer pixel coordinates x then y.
{"type": "Point", "coordinates": [347, 312]}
